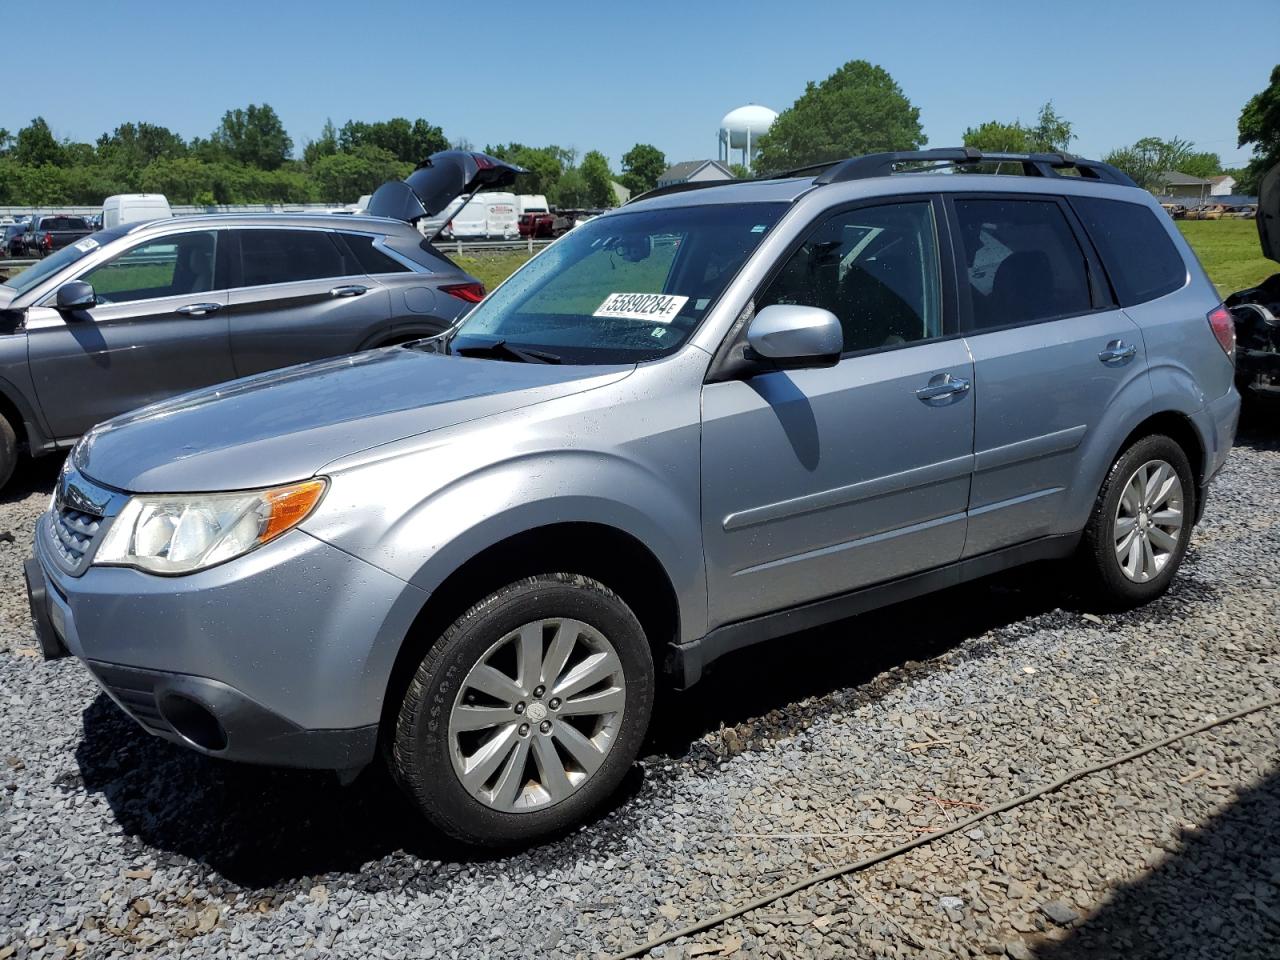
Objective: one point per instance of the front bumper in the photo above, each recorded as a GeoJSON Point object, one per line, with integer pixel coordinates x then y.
{"type": "Point", "coordinates": [280, 657]}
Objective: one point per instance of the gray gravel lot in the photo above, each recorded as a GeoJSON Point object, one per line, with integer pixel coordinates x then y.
{"type": "Point", "coordinates": [787, 759]}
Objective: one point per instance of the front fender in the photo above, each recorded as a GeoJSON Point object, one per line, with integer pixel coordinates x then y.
{"type": "Point", "coordinates": [423, 542]}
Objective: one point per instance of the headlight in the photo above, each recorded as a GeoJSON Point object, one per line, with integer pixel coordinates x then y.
{"type": "Point", "coordinates": [180, 533]}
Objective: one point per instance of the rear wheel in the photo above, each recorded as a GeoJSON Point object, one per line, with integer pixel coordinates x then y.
{"type": "Point", "coordinates": [527, 712]}
{"type": "Point", "coordinates": [1137, 534]}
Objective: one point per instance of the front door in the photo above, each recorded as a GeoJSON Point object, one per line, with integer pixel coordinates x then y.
{"type": "Point", "coordinates": [1051, 354]}
{"type": "Point", "coordinates": [159, 329]}
{"type": "Point", "coordinates": [816, 482]}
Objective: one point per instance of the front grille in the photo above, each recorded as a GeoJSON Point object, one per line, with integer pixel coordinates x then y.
{"type": "Point", "coordinates": [134, 690]}
{"type": "Point", "coordinates": [74, 533]}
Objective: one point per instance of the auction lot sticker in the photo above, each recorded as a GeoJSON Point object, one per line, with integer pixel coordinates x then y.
{"type": "Point", "coordinates": [654, 307]}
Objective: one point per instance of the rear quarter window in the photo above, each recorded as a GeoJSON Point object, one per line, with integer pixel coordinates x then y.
{"type": "Point", "coordinates": [1135, 248]}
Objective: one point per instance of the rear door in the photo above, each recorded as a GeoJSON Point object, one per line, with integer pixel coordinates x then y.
{"type": "Point", "coordinates": [1052, 352]}
{"type": "Point", "coordinates": [159, 329]}
{"type": "Point", "coordinates": [298, 295]}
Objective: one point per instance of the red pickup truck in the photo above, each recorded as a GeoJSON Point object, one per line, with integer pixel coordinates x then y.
{"type": "Point", "coordinates": [537, 225]}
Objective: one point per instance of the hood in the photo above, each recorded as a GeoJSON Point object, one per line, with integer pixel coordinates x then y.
{"type": "Point", "coordinates": [1269, 213]}
{"type": "Point", "coordinates": [284, 426]}
{"type": "Point", "coordinates": [437, 182]}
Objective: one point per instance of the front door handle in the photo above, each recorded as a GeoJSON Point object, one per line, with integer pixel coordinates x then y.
{"type": "Point", "coordinates": [351, 290]}
{"type": "Point", "coordinates": [942, 387]}
{"type": "Point", "coordinates": [198, 309]}
{"type": "Point", "coordinates": [1118, 352]}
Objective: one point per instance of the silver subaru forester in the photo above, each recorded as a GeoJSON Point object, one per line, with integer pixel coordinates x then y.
{"type": "Point", "coordinates": [716, 416]}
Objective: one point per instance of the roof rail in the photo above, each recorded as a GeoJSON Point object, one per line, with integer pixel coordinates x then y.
{"type": "Point", "coordinates": [1033, 164]}
{"type": "Point", "coordinates": [680, 188]}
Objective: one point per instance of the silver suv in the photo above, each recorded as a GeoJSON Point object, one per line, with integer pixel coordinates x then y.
{"type": "Point", "coordinates": [143, 312]}
{"type": "Point", "coordinates": [713, 417]}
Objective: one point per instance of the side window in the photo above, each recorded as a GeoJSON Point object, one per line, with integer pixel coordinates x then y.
{"type": "Point", "coordinates": [876, 269]}
{"type": "Point", "coordinates": [288, 256]}
{"type": "Point", "coordinates": [1022, 261]}
{"type": "Point", "coordinates": [1139, 256]}
{"type": "Point", "coordinates": [368, 259]}
{"type": "Point", "coordinates": [176, 265]}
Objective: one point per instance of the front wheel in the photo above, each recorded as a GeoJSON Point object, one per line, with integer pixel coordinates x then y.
{"type": "Point", "coordinates": [526, 714]}
{"type": "Point", "coordinates": [1137, 534]}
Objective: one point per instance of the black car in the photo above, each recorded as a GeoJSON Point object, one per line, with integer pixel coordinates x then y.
{"type": "Point", "coordinates": [10, 236]}
{"type": "Point", "coordinates": [48, 233]}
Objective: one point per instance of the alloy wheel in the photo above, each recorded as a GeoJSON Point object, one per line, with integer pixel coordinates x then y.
{"type": "Point", "coordinates": [1148, 521]}
{"type": "Point", "coordinates": [537, 715]}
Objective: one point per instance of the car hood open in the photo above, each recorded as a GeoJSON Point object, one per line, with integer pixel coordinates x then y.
{"type": "Point", "coordinates": [283, 426]}
{"type": "Point", "coordinates": [437, 182]}
{"type": "Point", "coordinates": [1269, 213]}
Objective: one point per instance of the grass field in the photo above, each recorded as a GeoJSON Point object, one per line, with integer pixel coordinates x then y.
{"type": "Point", "coordinates": [1229, 251]}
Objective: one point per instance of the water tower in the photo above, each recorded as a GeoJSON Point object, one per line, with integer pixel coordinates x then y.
{"type": "Point", "coordinates": [741, 129]}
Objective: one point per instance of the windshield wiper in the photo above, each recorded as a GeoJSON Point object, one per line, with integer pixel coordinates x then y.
{"type": "Point", "coordinates": [500, 348]}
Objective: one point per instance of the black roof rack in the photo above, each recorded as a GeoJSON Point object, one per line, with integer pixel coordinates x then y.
{"type": "Point", "coordinates": [1033, 164]}
{"type": "Point", "coordinates": [884, 164]}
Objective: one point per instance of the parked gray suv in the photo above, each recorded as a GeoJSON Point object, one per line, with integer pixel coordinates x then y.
{"type": "Point", "coordinates": [142, 312]}
{"type": "Point", "coordinates": [716, 416]}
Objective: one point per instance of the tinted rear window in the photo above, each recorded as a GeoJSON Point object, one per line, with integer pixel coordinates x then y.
{"type": "Point", "coordinates": [63, 223]}
{"type": "Point", "coordinates": [370, 259]}
{"type": "Point", "coordinates": [288, 256]}
{"type": "Point", "coordinates": [1138, 253]}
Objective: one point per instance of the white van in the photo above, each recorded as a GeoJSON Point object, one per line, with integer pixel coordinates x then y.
{"type": "Point", "coordinates": [134, 208]}
{"type": "Point", "coordinates": [489, 216]}
{"type": "Point", "coordinates": [531, 203]}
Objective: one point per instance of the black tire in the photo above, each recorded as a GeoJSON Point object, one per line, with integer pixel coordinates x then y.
{"type": "Point", "coordinates": [1103, 577]}
{"type": "Point", "coordinates": [421, 748]}
{"type": "Point", "coordinates": [8, 451]}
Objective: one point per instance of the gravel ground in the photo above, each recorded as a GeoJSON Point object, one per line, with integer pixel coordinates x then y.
{"type": "Point", "coordinates": [786, 760]}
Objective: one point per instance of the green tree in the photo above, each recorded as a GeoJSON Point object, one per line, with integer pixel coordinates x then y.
{"type": "Point", "coordinates": [642, 165]}
{"type": "Point", "coordinates": [35, 145]}
{"type": "Point", "coordinates": [1052, 133]}
{"type": "Point", "coordinates": [571, 191]}
{"type": "Point", "coordinates": [858, 109]}
{"type": "Point", "coordinates": [1203, 164]}
{"type": "Point", "coordinates": [545, 165]}
{"type": "Point", "coordinates": [739, 171]}
{"type": "Point", "coordinates": [137, 144]}
{"type": "Point", "coordinates": [254, 136]}
{"type": "Point", "coordinates": [1260, 128]}
{"type": "Point", "coordinates": [996, 137]}
{"type": "Point", "coordinates": [325, 145]}
{"type": "Point", "coordinates": [180, 179]}
{"type": "Point", "coordinates": [407, 142]}
{"type": "Point", "coordinates": [342, 177]}
{"type": "Point", "coordinates": [1147, 160]}
{"type": "Point", "coordinates": [598, 179]}
{"type": "Point", "coordinates": [6, 141]}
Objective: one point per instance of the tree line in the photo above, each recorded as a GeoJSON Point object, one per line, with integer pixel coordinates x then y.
{"type": "Point", "coordinates": [249, 158]}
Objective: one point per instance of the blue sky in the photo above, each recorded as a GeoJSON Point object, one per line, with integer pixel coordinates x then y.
{"type": "Point", "coordinates": [608, 75]}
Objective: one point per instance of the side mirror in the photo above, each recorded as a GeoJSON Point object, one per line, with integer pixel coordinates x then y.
{"type": "Point", "coordinates": [792, 337]}
{"type": "Point", "coordinates": [76, 295]}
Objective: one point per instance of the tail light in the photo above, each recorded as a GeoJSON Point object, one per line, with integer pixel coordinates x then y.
{"type": "Point", "coordinates": [47, 242]}
{"type": "Point", "coordinates": [1224, 329]}
{"type": "Point", "coordinates": [470, 292]}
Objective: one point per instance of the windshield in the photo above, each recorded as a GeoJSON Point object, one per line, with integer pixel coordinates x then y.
{"type": "Point", "coordinates": [623, 288]}
{"type": "Point", "coordinates": [34, 275]}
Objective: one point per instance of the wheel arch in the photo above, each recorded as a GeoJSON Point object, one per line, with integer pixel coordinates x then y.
{"type": "Point", "coordinates": [613, 556]}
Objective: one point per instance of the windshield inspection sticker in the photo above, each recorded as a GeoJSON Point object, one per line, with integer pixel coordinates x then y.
{"type": "Point", "coordinates": [650, 307]}
{"type": "Point", "coordinates": [87, 244]}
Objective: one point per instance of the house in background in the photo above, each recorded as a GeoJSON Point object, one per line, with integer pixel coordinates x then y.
{"type": "Point", "coordinates": [1180, 186]}
{"type": "Point", "coordinates": [694, 171]}
{"type": "Point", "coordinates": [1222, 186]}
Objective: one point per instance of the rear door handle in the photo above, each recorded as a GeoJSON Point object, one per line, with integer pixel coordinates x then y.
{"type": "Point", "coordinates": [1118, 352]}
{"type": "Point", "coordinates": [943, 386]}
{"type": "Point", "coordinates": [351, 290]}
{"type": "Point", "coordinates": [198, 309]}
